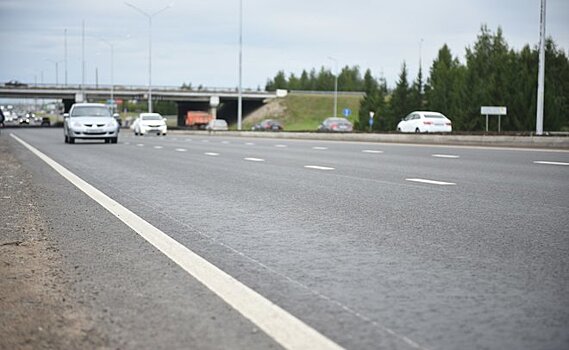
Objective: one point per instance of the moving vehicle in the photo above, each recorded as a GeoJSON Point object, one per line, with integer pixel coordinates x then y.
{"type": "Point", "coordinates": [217, 125]}
{"type": "Point", "coordinates": [198, 119]}
{"type": "Point", "coordinates": [424, 121]}
{"type": "Point", "coordinates": [336, 125]}
{"type": "Point", "coordinates": [147, 123]}
{"type": "Point", "coordinates": [268, 125]}
{"type": "Point", "coordinates": [90, 121]}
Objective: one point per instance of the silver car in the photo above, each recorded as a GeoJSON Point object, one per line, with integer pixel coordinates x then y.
{"type": "Point", "coordinates": [91, 121]}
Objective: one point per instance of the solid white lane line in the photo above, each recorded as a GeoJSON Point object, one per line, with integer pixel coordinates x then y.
{"type": "Point", "coordinates": [284, 328]}
{"type": "Point", "coordinates": [158, 147]}
{"type": "Point", "coordinates": [545, 162]}
{"type": "Point", "coordinates": [432, 182]}
{"type": "Point", "coordinates": [450, 156]}
{"type": "Point", "coordinates": [281, 146]}
{"type": "Point", "coordinates": [373, 151]}
{"type": "Point", "coordinates": [254, 159]}
{"type": "Point", "coordinates": [211, 154]}
{"type": "Point", "coordinates": [181, 150]}
{"type": "Point", "coordinates": [318, 167]}
{"type": "Point", "coordinates": [320, 148]}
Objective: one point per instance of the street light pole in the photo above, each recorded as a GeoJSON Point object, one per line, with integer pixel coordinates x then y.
{"type": "Point", "coordinates": [240, 90]}
{"type": "Point", "coordinates": [335, 87]}
{"type": "Point", "coordinates": [56, 70]}
{"type": "Point", "coordinates": [149, 16]}
{"type": "Point", "coordinates": [541, 73]}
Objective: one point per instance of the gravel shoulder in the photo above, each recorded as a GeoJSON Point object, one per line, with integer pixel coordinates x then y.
{"type": "Point", "coordinates": [37, 309]}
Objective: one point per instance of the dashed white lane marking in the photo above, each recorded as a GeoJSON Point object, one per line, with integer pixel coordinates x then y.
{"type": "Point", "coordinates": [281, 146]}
{"type": "Point", "coordinates": [213, 154]}
{"type": "Point", "coordinates": [140, 144]}
{"type": "Point", "coordinates": [318, 167]}
{"type": "Point", "coordinates": [545, 162]}
{"type": "Point", "coordinates": [188, 140]}
{"type": "Point", "coordinates": [372, 151]}
{"type": "Point", "coordinates": [158, 147]}
{"type": "Point", "coordinates": [225, 142]}
{"type": "Point", "coordinates": [254, 159]}
{"type": "Point", "coordinates": [320, 148]}
{"type": "Point", "coordinates": [450, 156]}
{"type": "Point", "coordinates": [284, 328]}
{"type": "Point", "coordinates": [432, 182]}
{"type": "Point", "coordinates": [181, 150]}
{"type": "Point", "coordinates": [250, 144]}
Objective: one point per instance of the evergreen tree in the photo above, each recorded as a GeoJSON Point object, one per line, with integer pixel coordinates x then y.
{"type": "Point", "coordinates": [400, 100]}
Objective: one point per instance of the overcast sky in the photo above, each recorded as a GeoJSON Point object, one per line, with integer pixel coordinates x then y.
{"type": "Point", "coordinates": [197, 41]}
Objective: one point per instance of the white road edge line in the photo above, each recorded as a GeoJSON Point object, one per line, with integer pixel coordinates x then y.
{"type": "Point", "coordinates": [211, 154]}
{"type": "Point", "coordinates": [320, 148]}
{"type": "Point", "coordinates": [254, 159]}
{"type": "Point", "coordinates": [284, 328]}
{"type": "Point", "coordinates": [318, 167]}
{"type": "Point", "coordinates": [432, 182]}
{"type": "Point", "coordinates": [549, 163]}
{"type": "Point", "coordinates": [450, 156]}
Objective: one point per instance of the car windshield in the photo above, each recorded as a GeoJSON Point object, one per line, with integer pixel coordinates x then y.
{"type": "Point", "coordinates": [151, 117]}
{"type": "Point", "coordinates": [90, 111]}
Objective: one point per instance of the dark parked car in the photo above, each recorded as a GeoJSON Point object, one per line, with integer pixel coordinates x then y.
{"type": "Point", "coordinates": [336, 125]}
{"type": "Point", "coordinates": [268, 125]}
{"type": "Point", "coordinates": [15, 83]}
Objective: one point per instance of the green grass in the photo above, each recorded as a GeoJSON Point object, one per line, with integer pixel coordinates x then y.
{"type": "Point", "coordinates": [306, 112]}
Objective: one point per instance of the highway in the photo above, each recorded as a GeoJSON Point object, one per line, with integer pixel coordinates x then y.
{"type": "Point", "coordinates": [368, 245]}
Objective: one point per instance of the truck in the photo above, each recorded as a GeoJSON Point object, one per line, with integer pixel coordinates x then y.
{"type": "Point", "coordinates": [197, 119]}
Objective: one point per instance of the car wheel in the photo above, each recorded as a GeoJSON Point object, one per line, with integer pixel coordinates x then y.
{"type": "Point", "coordinates": [417, 130]}
{"type": "Point", "coordinates": [71, 139]}
{"type": "Point", "coordinates": [398, 129]}
{"type": "Point", "coordinates": [114, 140]}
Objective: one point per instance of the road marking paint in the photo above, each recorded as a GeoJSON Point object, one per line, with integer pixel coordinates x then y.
{"type": "Point", "coordinates": [188, 140]}
{"type": "Point", "coordinates": [254, 159]}
{"type": "Point", "coordinates": [373, 151]}
{"type": "Point", "coordinates": [549, 163]}
{"type": "Point", "coordinates": [432, 182]}
{"type": "Point", "coordinates": [250, 144]}
{"type": "Point", "coordinates": [281, 146]}
{"type": "Point", "coordinates": [127, 143]}
{"type": "Point", "coordinates": [320, 148]}
{"type": "Point", "coordinates": [140, 145]}
{"type": "Point", "coordinates": [450, 156]}
{"type": "Point", "coordinates": [213, 154]}
{"type": "Point", "coordinates": [205, 141]}
{"type": "Point", "coordinates": [158, 147]}
{"type": "Point", "coordinates": [277, 323]}
{"type": "Point", "coordinates": [181, 150]}
{"type": "Point", "coordinates": [317, 167]}
{"type": "Point", "coordinates": [225, 142]}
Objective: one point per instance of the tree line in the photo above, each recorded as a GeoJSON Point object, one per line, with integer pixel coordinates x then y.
{"type": "Point", "coordinates": [493, 74]}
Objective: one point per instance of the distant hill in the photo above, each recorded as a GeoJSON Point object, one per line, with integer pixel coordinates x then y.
{"type": "Point", "coordinates": [304, 111]}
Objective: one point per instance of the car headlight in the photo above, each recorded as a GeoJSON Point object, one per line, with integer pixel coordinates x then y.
{"type": "Point", "coordinates": [112, 124]}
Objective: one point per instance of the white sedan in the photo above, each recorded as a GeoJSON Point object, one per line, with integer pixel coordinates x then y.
{"type": "Point", "coordinates": [149, 123]}
{"type": "Point", "coordinates": [420, 121]}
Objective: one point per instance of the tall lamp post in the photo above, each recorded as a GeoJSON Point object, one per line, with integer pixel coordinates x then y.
{"type": "Point", "coordinates": [240, 89]}
{"type": "Point", "coordinates": [335, 86]}
{"type": "Point", "coordinates": [541, 72]}
{"type": "Point", "coordinates": [149, 16]}
{"type": "Point", "coordinates": [56, 69]}
{"type": "Point", "coordinates": [112, 46]}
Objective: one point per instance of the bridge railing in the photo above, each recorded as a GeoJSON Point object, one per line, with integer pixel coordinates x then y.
{"type": "Point", "coordinates": [128, 87]}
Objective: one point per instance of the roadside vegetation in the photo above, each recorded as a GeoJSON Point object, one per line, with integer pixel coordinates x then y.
{"type": "Point", "coordinates": [493, 74]}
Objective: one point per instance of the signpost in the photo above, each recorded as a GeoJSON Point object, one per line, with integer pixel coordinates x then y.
{"type": "Point", "coordinates": [493, 110]}
{"type": "Point", "coordinates": [371, 114]}
{"type": "Point", "coordinates": [347, 112]}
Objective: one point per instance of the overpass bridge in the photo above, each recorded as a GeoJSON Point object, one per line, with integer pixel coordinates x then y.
{"type": "Point", "coordinates": [186, 99]}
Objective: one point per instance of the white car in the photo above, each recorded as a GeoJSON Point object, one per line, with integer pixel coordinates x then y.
{"type": "Point", "coordinates": [217, 125]}
{"type": "Point", "coordinates": [91, 121]}
{"type": "Point", "coordinates": [423, 121]}
{"type": "Point", "coordinates": [149, 123]}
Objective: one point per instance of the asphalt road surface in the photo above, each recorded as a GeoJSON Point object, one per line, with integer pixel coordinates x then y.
{"type": "Point", "coordinates": [369, 245]}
